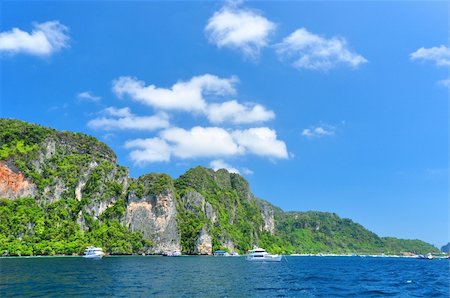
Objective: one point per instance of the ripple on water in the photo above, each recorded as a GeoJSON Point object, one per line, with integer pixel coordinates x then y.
{"type": "Point", "coordinates": [223, 277]}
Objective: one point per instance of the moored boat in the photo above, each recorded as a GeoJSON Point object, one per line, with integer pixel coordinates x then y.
{"type": "Point", "coordinates": [261, 255]}
{"type": "Point", "coordinates": [172, 253]}
{"type": "Point", "coordinates": [92, 252]}
{"type": "Point", "coordinates": [428, 256]}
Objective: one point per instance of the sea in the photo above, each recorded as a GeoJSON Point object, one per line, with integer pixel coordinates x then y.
{"type": "Point", "coordinates": [202, 276]}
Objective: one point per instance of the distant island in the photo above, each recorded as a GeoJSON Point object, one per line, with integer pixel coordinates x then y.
{"type": "Point", "coordinates": [446, 248]}
{"type": "Point", "coordinates": [62, 191]}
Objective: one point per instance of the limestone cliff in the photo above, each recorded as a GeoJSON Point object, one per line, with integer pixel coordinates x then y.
{"type": "Point", "coordinates": [61, 191]}
{"type": "Point", "coordinates": [151, 209]}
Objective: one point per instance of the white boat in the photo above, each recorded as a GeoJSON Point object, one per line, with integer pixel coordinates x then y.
{"type": "Point", "coordinates": [173, 253]}
{"type": "Point", "coordinates": [428, 256]}
{"type": "Point", "coordinates": [92, 252]}
{"type": "Point", "coordinates": [261, 255]}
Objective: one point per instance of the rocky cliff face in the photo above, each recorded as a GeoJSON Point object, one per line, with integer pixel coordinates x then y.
{"type": "Point", "coordinates": [13, 184]}
{"type": "Point", "coordinates": [61, 191]}
{"type": "Point", "coordinates": [151, 209]}
{"type": "Point", "coordinates": [268, 215]}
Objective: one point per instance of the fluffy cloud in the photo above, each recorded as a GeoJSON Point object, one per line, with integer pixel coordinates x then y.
{"type": "Point", "coordinates": [242, 29]}
{"type": "Point", "coordinates": [318, 131]}
{"type": "Point", "coordinates": [148, 150]}
{"type": "Point", "coordinates": [439, 55]}
{"type": "Point", "coordinates": [206, 142]}
{"type": "Point", "coordinates": [88, 96]}
{"type": "Point", "coordinates": [185, 96]}
{"type": "Point", "coordinates": [236, 113]}
{"type": "Point", "coordinates": [311, 51]}
{"type": "Point", "coordinates": [261, 141]}
{"type": "Point", "coordinates": [201, 142]}
{"type": "Point", "coordinates": [123, 119]}
{"type": "Point", "coordinates": [220, 164]}
{"type": "Point", "coordinates": [192, 96]}
{"type": "Point", "coordinates": [45, 39]}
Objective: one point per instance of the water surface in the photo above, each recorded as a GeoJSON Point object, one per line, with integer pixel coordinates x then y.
{"type": "Point", "coordinates": [154, 276]}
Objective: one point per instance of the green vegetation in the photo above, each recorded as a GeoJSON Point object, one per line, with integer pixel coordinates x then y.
{"type": "Point", "coordinates": [237, 214]}
{"type": "Point", "coordinates": [26, 229]}
{"type": "Point", "coordinates": [54, 221]}
{"type": "Point", "coordinates": [81, 199]}
{"type": "Point", "coordinates": [393, 245]}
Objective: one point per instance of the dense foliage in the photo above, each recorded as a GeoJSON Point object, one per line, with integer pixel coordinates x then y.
{"type": "Point", "coordinates": [323, 232]}
{"type": "Point", "coordinates": [237, 214]}
{"type": "Point", "coordinates": [81, 199]}
{"type": "Point", "coordinates": [27, 228]}
{"type": "Point", "coordinates": [55, 221]}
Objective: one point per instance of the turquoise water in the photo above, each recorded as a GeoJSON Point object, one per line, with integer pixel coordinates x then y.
{"type": "Point", "coordinates": [154, 276]}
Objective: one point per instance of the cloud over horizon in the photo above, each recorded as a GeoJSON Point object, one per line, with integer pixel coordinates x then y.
{"type": "Point", "coordinates": [218, 164]}
{"type": "Point", "coordinates": [45, 39]}
{"type": "Point", "coordinates": [206, 142]}
{"type": "Point", "coordinates": [201, 95]}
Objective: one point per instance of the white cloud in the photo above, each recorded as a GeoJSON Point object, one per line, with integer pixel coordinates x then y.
{"type": "Point", "coordinates": [439, 55]}
{"type": "Point", "coordinates": [204, 142]}
{"type": "Point", "coordinates": [236, 113]}
{"type": "Point", "coordinates": [45, 39]}
{"type": "Point", "coordinates": [247, 171]}
{"type": "Point", "coordinates": [319, 131]}
{"type": "Point", "coordinates": [201, 142]}
{"type": "Point", "coordinates": [88, 96]}
{"type": "Point", "coordinates": [445, 83]}
{"type": "Point", "coordinates": [310, 51]}
{"type": "Point", "coordinates": [148, 150]}
{"type": "Point", "coordinates": [186, 96]}
{"type": "Point", "coordinates": [220, 164]}
{"type": "Point", "coordinates": [242, 29]}
{"type": "Point", "coordinates": [192, 96]}
{"type": "Point", "coordinates": [123, 119]}
{"type": "Point", "coordinates": [261, 141]}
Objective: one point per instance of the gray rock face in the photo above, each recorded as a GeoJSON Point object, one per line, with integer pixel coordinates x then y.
{"type": "Point", "coordinates": [195, 202]}
{"type": "Point", "coordinates": [155, 217]}
{"type": "Point", "coordinates": [204, 243]}
{"type": "Point", "coordinates": [267, 213]}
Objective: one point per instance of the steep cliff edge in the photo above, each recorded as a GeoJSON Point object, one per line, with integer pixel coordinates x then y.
{"type": "Point", "coordinates": [217, 210]}
{"type": "Point", "coordinates": [151, 209]}
{"type": "Point", "coordinates": [60, 191]}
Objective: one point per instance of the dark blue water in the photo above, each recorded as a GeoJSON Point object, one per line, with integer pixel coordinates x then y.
{"type": "Point", "coordinates": [224, 277]}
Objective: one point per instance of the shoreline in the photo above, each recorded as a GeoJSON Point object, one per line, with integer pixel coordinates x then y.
{"type": "Point", "coordinates": [291, 255]}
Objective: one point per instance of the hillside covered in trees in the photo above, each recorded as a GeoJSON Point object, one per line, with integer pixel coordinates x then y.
{"type": "Point", "coordinates": [61, 191]}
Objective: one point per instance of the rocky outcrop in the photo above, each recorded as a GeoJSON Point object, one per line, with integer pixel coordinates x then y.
{"type": "Point", "coordinates": [195, 202]}
{"type": "Point", "coordinates": [203, 245]}
{"type": "Point", "coordinates": [267, 212]}
{"type": "Point", "coordinates": [151, 209]}
{"type": "Point", "coordinates": [14, 185]}
{"type": "Point", "coordinates": [203, 207]}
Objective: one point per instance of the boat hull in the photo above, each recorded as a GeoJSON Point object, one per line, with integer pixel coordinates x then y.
{"type": "Point", "coordinates": [265, 259]}
{"type": "Point", "coordinates": [93, 256]}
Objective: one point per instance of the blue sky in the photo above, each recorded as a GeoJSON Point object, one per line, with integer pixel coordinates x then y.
{"type": "Point", "coordinates": [330, 106]}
